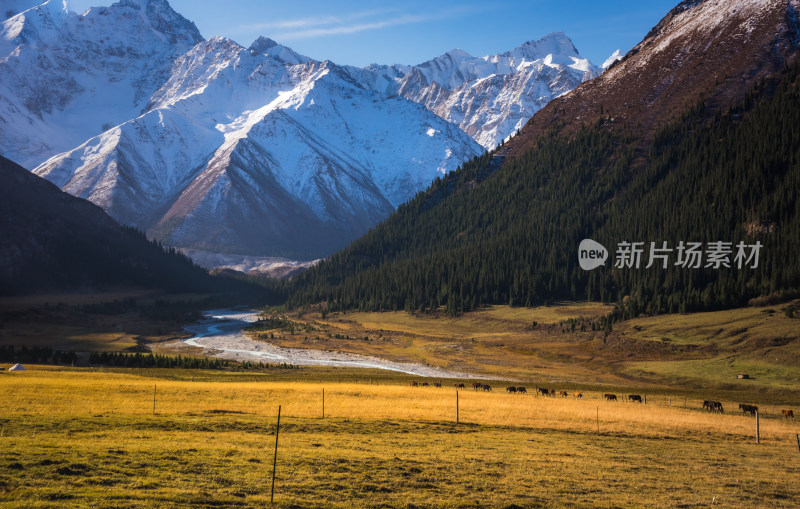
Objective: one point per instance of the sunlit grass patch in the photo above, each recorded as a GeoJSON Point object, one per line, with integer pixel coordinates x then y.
{"type": "Point", "coordinates": [87, 437]}
{"type": "Point", "coordinates": [724, 370]}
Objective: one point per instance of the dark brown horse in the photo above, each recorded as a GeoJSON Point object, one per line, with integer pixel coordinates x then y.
{"type": "Point", "coordinates": [748, 409]}
{"type": "Point", "coordinates": [635, 397]}
{"type": "Point", "coordinates": [787, 414]}
{"type": "Point", "coordinates": [610, 397]}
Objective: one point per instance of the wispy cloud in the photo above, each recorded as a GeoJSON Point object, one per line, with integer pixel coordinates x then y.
{"type": "Point", "coordinates": [342, 29]}
{"type": "Point", "coordinates": [350, 23]}
{"type": "Point", "coordinates": [317, 21]}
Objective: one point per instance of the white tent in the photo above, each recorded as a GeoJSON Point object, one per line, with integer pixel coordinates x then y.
{"type": "Point", "coordinates": [17, 367]}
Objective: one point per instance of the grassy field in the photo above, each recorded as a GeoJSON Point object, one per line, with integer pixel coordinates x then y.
{"type": "Point", "coordinates": [92, 437]}
{"type": "Point", "coordinates": [557, 343]}
{"type": "Point", "coordinates": [498, 341]}
{"type": "Point", "coordinates": [83, 437]}
{"type": "Point", "coordinates": [759, 341]}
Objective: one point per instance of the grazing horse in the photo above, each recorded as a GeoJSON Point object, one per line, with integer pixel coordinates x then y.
{"type": "Point", "coordinates": [563, 394]}
{"type": "Point", "coordinates": [511, 389]}
{"type": "Point", "coordinates": [458, 386]}
{"type": "Point", "coordinates": [437, 384]}
{"type": "Point", "coordinates": [477, 385]}
{"type": "Point", "coordinates": [787, 414]}
{"type": "Point", "coordinates": [610, 397]}
{"type": "Point", "coordinates": [543, 391]}
{"type": "Point", "coordinates": [486, 387]}
{"type": "Point", "coordinates": [635, 397]}
{"type": "Point", "coordinates": [522, 390]}
{"type": "Point", "coordinates": [552, 392]}
{"type": "Point", "coordinates": [424, 384]}
{"type": "Point", "coordinates": [577, 395]}
{"type": "Point", "coordinates": [413, 384]}
{"type": "Point", "coordinates": [748, 409]}
{"type": "Point", "coordinates": [717, 407]}
{"type": "Point", "coordinates": [708, 405]}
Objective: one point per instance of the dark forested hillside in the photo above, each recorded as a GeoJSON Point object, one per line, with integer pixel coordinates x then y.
{"type": "Point", "coordinates": [52, 241]}
{"type": "Point", "coordinates": [512, 237]}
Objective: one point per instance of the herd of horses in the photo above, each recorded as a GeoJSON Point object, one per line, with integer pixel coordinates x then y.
{"type": "Point", "coordinates": [636, 398]}
{"type": "Point", "coordinates": [714, 406]}
{"type": "Point", "coordinates": [711, 406]}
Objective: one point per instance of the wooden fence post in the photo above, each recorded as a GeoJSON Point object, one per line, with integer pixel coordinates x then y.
{"type": "Point", "coordinates": [456, 406]}
{"type": "Point", "coordinates": [154, 399]}
{"type": "Point", "coordinates": [758, 429]}
{"type": "Point", "coordinates": [598, 420]}
{"type": "Point", "coordinates": [797, 437]}
{"type": "Point", "coordinates": [275, 459]}
{"type": "Point", "coordinates": [323, 402]}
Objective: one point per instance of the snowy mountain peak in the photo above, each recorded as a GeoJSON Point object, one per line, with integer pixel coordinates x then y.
{"type": "Point", "coordinates": [211, 145]}
{"type": "Point", "coordinates": [555, 43]}
{"type": "Point", "coordinates": [163, 19]}
{"type": "Point", "coordinates": [457, 54]}
{"type": "Point", "coordinates": [11, 8]}
{"type": "Point", "coordinates": [67, 77]}
{"type": "Point", "coordinates": [617, 55]}
{"type": "Point", "coordinates": [34, 25]}
{"type": "Point", "coordinates": [136, 4]}
{"type": "Point", "coordinates": [261, 45]}
{"type": "Point", "coordinates": [284, 54]}
{"type": "Point", "coordinates": [491, 97]}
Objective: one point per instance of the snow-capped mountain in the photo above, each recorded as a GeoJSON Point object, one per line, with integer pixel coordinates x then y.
{"type": "Point", "coordinates": [259, 150]}
{"type": "Point", "coordinates": [11, 8]}
{"type": "Point", "coordinates": [716, 50]}
{"type": "Point", "coordinates": [492, 97]}
{"type": "Point", "coordinates": [206, 144]}
{"type": "Point", "coordinates": [616, 56]}
{"type": "Point", "coordinates": [66, 77]}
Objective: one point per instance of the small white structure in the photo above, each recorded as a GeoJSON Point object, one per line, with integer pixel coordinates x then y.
{"type": "Point", "coordinates": [17, 367]}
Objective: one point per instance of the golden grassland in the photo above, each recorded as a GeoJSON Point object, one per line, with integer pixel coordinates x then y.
{"type": "Point", "coordinates": [78, 437]}
{"type": "Point", "coordinates": [759, 341]}
{"type": "Point", "coordinates": [497, 341]}
{"type": "Point", "coordinates": [540, 344]}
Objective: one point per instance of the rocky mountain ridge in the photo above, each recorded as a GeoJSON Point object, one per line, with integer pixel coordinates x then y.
{"type": "Point", "coordinates": [206, 144]}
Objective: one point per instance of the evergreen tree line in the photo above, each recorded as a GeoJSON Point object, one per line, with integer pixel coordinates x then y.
{"type": "Point", "coordinates": [153, 360]}
{"type": "Point", "coordinates": [479, 236]}
{"type": "Point", "coordinates": [37, 355]}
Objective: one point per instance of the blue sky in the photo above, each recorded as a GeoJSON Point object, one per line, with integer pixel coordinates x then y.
{"type": "Point", "coordinates": [411, 32]}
